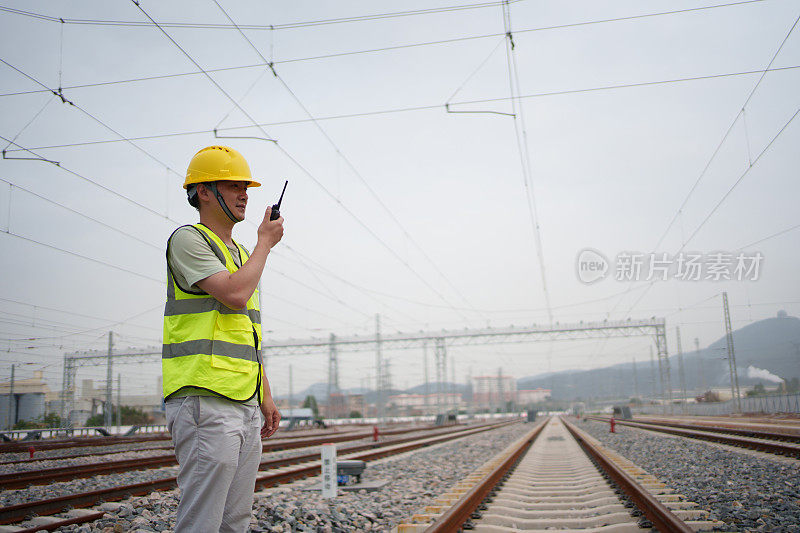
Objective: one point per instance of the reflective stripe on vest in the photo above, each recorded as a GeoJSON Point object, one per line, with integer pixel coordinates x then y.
{"type": "Point", "coordinates": [208, 345]}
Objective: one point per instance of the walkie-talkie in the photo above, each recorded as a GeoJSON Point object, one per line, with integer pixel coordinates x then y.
{"type": "Point", "coordinates": [276, 209]}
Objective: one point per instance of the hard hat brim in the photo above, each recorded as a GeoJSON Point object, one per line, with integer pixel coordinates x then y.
{"type": "Point", "coordinates": [250, 181]}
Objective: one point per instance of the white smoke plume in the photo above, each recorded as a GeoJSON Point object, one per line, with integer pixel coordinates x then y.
{"type": "Point", "coordinates": [760, 373]}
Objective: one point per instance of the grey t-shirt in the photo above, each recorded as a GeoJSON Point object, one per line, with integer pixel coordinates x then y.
{"type": "Point", "coordinates": [192, 260]}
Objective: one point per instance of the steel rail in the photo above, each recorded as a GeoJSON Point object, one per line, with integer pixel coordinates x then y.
{"type": "Point", "coordinates": [454, 518]}
{"type": "Point", "coordinates": [22, 479]}
{"type": "Point", "coordinates": [16, 513]}
{"type": "Point", "coordinates": [77, 455]}
{"type": "Point", "coordinates": [274, 444]}
{"type": "Point", "coordinates": [392, 448]}
{"type": "Point", "coordinates": [66, 522]}
{"type": "Point", "coordinates": [23, 445]}
{"type": "Point", "coordinates": [769, 446]}
{"type": "Point", "coordinates": [732, 429]}
{"type": "Point", "coordinates": [655, 511]}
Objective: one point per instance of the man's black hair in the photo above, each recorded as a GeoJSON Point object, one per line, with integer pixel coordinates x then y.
{"type": "Point", "coordinates": [191, 196]}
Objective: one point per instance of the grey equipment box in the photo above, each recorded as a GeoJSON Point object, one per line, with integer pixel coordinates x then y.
{"type": "Point", "coordinates": [345, 469]}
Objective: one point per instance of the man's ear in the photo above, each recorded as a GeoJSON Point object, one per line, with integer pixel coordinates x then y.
{"type": "Point", "coordinates": [203, 192]}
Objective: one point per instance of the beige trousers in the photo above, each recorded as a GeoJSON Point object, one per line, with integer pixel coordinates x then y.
{"type": "Point", "coordinates": [218, 446]}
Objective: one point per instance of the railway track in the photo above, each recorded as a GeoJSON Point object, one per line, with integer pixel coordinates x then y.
{"type": "Point", "coordinates": [278, 444]}
{"type": "Point", "coordinates": [23, 446]}
{"type": "Point", "coordinates": [45, 476]}
{"type": "Point", "coordinates": [280, 471]}
{"type": "Point", "coordinates": [770, 442]}
{"type": "Point", "coordinates": [558, 477]}
{"type": "Point", "coordinates": [78, 442]}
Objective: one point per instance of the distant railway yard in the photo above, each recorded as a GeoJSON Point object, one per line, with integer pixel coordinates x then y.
{"type": "Point", "coordinates": [667, 473]}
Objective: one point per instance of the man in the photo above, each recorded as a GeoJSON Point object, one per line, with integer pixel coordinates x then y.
{"type": "Point", "coordinates": [214, 382]}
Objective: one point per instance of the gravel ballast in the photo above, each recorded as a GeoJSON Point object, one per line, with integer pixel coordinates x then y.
{"type": "Point", "coordinates": [415, 479]}
{"type": "Point", "coordinates": [746, 491]}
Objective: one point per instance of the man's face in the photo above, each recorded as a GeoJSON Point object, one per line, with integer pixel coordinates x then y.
{"type": "Point", "coordinates": [235, 195]}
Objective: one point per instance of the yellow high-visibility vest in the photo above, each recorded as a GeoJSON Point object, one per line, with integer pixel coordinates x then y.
{"type": "Point", "coordinates": [208, 345]}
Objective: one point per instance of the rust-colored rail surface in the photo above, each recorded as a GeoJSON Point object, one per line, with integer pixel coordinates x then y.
{"type": "Point", "coordinates": [655, 511]}
{"type": "Point", "coordinates": [18, 480]}
{"type": "Point", "coordinates": [728, 428]}
{"type": "Point", "coordinates": [78, 442]}
{"type": "Point", "coordinates": [454, 518]}
{"type": "Point", "coordinates": [710, 434]}
{"type": "Point", "coordinates": [16, 513]}
{"type": "Point", "coordinates": [458, 516]}
{"type": "Point", "coordinates": [66, 522]}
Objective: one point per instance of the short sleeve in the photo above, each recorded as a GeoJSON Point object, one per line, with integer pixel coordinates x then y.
{"type": "Point", "coordinates": [191, 258]}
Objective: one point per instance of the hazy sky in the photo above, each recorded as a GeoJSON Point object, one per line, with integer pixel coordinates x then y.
{"type": "Point", "coordinates": [394, 205]}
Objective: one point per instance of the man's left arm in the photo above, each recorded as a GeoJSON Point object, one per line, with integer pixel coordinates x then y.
{"type": "Point", "coordinates": [272, 416]}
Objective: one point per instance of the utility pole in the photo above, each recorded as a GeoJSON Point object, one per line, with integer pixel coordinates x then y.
{"type": "Point", "coordinates": [11, 419]}
{"type": "Point", "coordinates": [700, 363]}
{"type": "Point", "coordinates": [735, 396]}
{"type": "Point", "coordinates": [635, 379]}
{"type": "Point", "coordinates": [119, 404]}
{"type": "Point", "coordinates": [681, 373]}
{"type": "Point", "coordinates": [333, 372]}
{"type": "Point", "coordinates": [378, 370]}
{"type": "Point", "coordinates": [500, 389]}
{"type": "Point", "coordinates": [660, 375]}
{"type": "Point", "coordinates": [291, 388]}
{"type": "Point", "coordinates": [652, 374]}
{"type": "Point", "coordinates": [109, 382]}
{"type": "Point", "coordinates": [453, 387]}
{"type": "Point", "coordinates": [427, 383]}
{"type": "Point", "coordinates": [471, 393]}
{"type": "Point", "coordinates": [441, 362]}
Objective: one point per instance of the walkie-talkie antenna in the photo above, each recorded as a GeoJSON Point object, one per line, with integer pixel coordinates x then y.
{"type": "Point", "coordinates": [283, 191]}
{"type": "Point", "coordinates": [276, 209]}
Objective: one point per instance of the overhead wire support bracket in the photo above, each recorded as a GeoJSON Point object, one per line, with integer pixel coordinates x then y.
{"type": "Point", "coordinates": [510, 39]}
{"type": "Point", "coordinates": [217, 136]}
{"type": "Point", "coordinates": [447, 108]}
{"type": "Point", "coordinates": [37, 158]}
{"type": "Point", "coordinates": [64, 100]}
{"type": "Point", "coordinates": [42, 159]}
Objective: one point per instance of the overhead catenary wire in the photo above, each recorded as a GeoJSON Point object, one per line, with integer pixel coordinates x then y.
{"type": "Point", "coordinates": [702, 174]}
{"type": "Point", "coordinates": [274, 27]}
{"type": "Point", "coordinates": [389, 48]}
{"type": "Point", "coordinates": [31, 121]}
{"type": "Point", "coordinates": [739, 114]}
{"type": "Point", "coordinates": [347, 161]}
{"type": "Point", "coordinates": [738, 181]}
{"type": "Point", "coordinates": [294, 160]}
{"type": "Point", "coordinates": [720, 202]}
{"type": "Point", "coordinates": [524, 152]}
{"type": "Point", "coordinates": [768, 237]}
{"type": "Point", "coordinates": [262, 27]}
{"type": "Point", "coordinates": [428, 107]}
{"type": "Point", "coordinates": [127, 234]}
{"type": "Point", "coordinates": [58, 92]}
{"type": "Point", "coordinates": [86, 331]}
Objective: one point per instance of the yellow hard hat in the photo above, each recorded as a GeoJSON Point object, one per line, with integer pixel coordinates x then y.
{"type": "Point", "coordinates": [218, 163]}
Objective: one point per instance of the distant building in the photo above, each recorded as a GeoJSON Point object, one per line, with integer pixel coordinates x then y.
{"type": "Point", "coordinates": [496, 392]}
{"type": "Point", "coordinates": [532, 396]}
{"type": "Point", "coordinates": [341, 405]}
{"type": "Point", "coordinates": [493, 392]}
{"type": "Point", "coordinates": [27, 402]}
{"type": "Point", "coordinates": [421, 404]}
{"type": "Point", "coordinates": [90, 400]}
